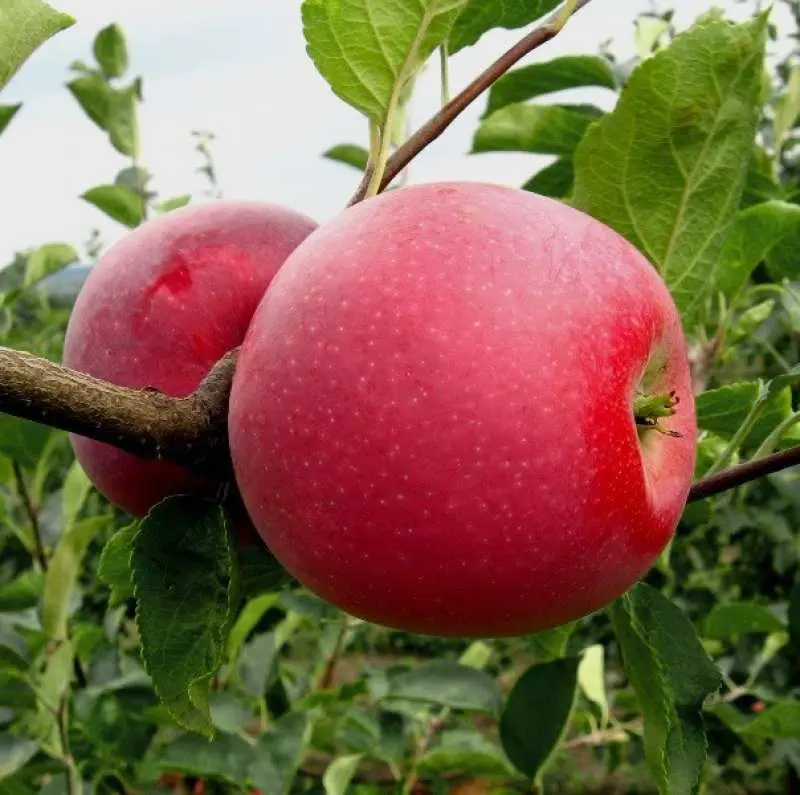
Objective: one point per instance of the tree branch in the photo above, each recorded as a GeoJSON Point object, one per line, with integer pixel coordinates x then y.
{"type": "Point", "coordinates": [743, 473]}
{"type": "Point", "coordinates": [433, 128]}
{"type": "Point", "coordinates": [190, 431]}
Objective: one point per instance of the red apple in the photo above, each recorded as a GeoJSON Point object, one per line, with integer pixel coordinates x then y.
{"type": "Point", "coordinates": [160, 308]}
{"type": "Point", "coordinates": [432, 418]}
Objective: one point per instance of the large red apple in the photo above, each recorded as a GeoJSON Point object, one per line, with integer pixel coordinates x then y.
{"type": "Point", "coordinates": [160, 308]}
{"type": "Point", "coordinates": [432, 419]}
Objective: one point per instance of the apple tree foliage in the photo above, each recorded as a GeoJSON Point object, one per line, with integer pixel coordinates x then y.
{"type": "Point", "coordinates": [163, 655]}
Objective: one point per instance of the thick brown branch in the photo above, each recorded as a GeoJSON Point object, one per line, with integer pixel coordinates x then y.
{"type": "Point", "coordinates": [744, 473]}
{"type": "Point", "coordinates": [190, 431]}
{"type": "Point", "coordinates": [437, 124]}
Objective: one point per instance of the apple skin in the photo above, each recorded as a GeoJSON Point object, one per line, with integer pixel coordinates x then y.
{"type": "Point", "coordinates": [160, 308]}
{"type": "Point", "coordinates": [431, 420]}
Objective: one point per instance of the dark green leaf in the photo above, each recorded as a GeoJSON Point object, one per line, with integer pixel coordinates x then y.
{"type": "Point", "coordinates": [554, 180]}
{"type": "Point", "coordinates": [541, 129]}
{"type": "Point", "coordinates": [182, 575]}
{"type": "Point", "coordinates": [111, 52]}
{"type": "Point", "coordinates": [117, 202]}
{"type": "Point", "coordinates": [538, 79]}
{"type": "Point", "coordinates": [666, 168]}
{"type": "Point", "coordinates": [63, 572]}
{"type": "Point", "coordinates": [450, 684]}
{"type": "Point", "coordinates": [22, 592]}
{"type": "Point", "coordinates": [15, 752]}
{"type": "Point", "coordinates": [7, 112]}
{"type": "Point", "coordinates": [370, 50]}
{"type": "Point", "coordinates": [23, 441]}
{"type": "Point", "coordinates": [115, 568]}
{"type": "Point", "coordinates": [260, 572]}
{"type": "Point", "coordinates": [480, 16]}
{"type": "Point", "coordinates": [794, 613]}
{"type": "Point", "coordinates": [735, 618]}
{"type": "Point", "coordinates": [229, 713]}
{"type": "Point", "coordinates": [350, 155]}
{"type": "Point", "coordinates": [24, 26]}
{"type": "Point", "coordinates": [537, 714]}
{"type": "Point", "coordinates": [779, 721]}
{"type": "Point", "coordinates": [672, 676]}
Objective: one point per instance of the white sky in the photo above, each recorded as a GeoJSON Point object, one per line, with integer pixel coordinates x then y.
{"type": "Point", "coordinates": [239, 69]}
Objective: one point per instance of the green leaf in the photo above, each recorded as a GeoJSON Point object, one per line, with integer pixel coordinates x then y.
{"type": "Point", "coordinates": [449, 684]}
{"type": "Point", "coordinates": [672, 676]}
{"type": "Point", "coordinates": [175, 203]}
{"type": "Point", "coordinates": [227, 757]}
{"type": "Point", "coordinates": [787, 108]}
{"type": "Point", "coordinates": [229, 712]}
{"type": "Point", "coordinates": [277, 754]}
{"type": "Point", "coordinates": [370, 50]}
{"type": "Point", "coordinates": [115, 566]}
{"type": "Point", "coordinates": [22, 592]}
{"type": "Point", "coordinates": [111, 52]}
{"type": "Point", "coordinates": [761, 183]}
{"type": "Point", "coordinates": [182, 575]}
{"type": "Point", "coordinates": [666, 168]}
{"type": "Point", "coordinates": [537, 714]}
{"type": "Point", "coordinates": [538, 79]}
{"type": "Point", "coordinates": [781, 720]}
{"type": "Point", "coordinates": [350, 155]}
{"type": "Point", "coordinates": [111, 109]}
{"type": "Point", "coordinates": [47, 259]}
{"type": "Point", "coordinates": [247, 620]}
{"type": "Point", "coordinates": [15, 752]}
{"type": "Point", "coordinates": [7, 113]}
{"type": "Point", "coordinates": [541, 129]}
{"type": "Point", "coordinates": [794, 613]}
{"type": "Point", "coordinates": [117, 202]}
{"type": "Point", "coordinates": [552, 643]}
{"type": "Point", "coordinates": [257, 664]}
{"type": "Point", "coordinates": [464, 752]}
{"type": "Point", "coordinates": [52, 686]}
{"type": "Point", "coordinates": [480, 16]}
{"type": "Point", "coordinates": [764, 232]}
{"type": "Point", "coordinates": [591, 678]}
{"type": "Point", "coordinates": [24, 26]}
{"type": "Point", "coordinates": [339, 774]}
{"type": "Point", "coordinates": [554, 180]}
{"type": "Point", "coordinates": [260, 572]}
{"type": "Point", "coordinates": [76, 489]}
{"type": "Point", "coordinates": [123, 126]}
{"type": "Point", "coordinates": [722, 411]}
{"type": "Point", "coordinates": [735, 618]}
{"type": "Point", "coordinates": [62, 574]}
{"type": "Point", "coordinates": [23, 441]}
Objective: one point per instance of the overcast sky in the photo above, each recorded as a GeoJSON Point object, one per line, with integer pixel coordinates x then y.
{"type": "Point", "coordinates": [239, 69]}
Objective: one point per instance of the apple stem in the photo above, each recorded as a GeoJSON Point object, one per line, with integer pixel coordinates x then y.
{"type": "Point", "coordinates": [649, 409]}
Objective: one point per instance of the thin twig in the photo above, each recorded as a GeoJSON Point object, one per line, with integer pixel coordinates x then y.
{"type": "Point", "coordinates": [433, 128]}
{"type": "Point", "coordinates": [31, 513]}
{"type": "Point", "coordinates": [326, 679]}
{"type": "Point", "coordinates": [743, 473]}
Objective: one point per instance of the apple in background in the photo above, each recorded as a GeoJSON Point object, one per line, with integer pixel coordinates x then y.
{"type": "Point", "coordinates": [160, 308]}
{"type": "Point", "coordinates": [432, 418]}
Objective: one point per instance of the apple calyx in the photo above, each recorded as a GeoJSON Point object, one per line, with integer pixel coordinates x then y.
{"type": "Point", "coordinates": [649, 409]}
